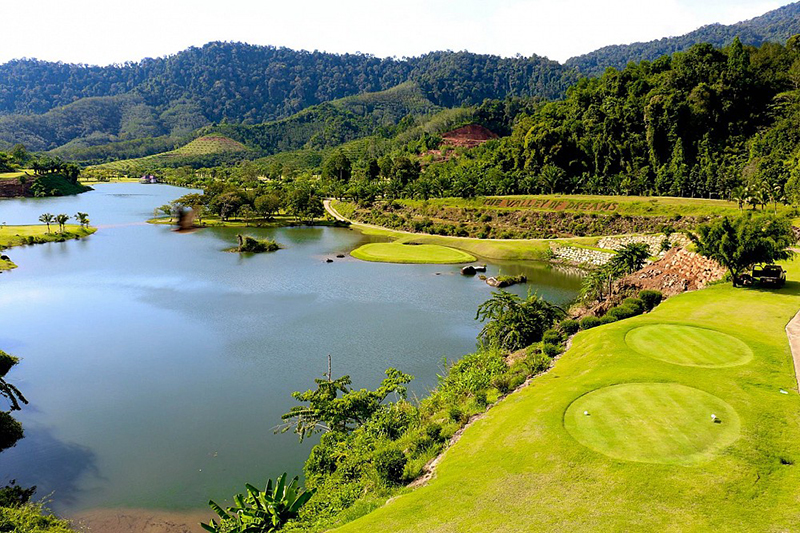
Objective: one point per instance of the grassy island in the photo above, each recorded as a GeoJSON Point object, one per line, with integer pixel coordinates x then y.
{"type": "Point", "coordinates": [11, 236]}
{"type": "Point", "coordinates": [396, 252]}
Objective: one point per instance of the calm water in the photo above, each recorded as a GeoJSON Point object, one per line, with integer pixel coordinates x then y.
{"type": "Point", "coordinates": [157, 365]}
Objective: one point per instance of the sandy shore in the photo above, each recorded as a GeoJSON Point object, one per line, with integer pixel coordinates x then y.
{"type": "Point", "coordinates": [140, 521]}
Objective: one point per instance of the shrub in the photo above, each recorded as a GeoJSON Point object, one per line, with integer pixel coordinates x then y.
{"type": "Point", "coordinates": [550, 350]}
{"type": "Point", "coordinates": [455, 413]}
{"type": "Point", "coordinates": [537, 363]}
{"type": "Point", "coordinates": [552, 336]}
{"type": "Point", "coordinates": [433, 431]}
{"type": "Point", "coordinates": [635, 303]}
{"type": "Point", "coordinates": [390, 464]}
{"type": "Point", "coordinates": [650, 299]}
{"type": "Point", "coordinates": [621, 312]}
{"type": "Point", "coordinates": [480, 398]}
{"type": "Point", "coordinates": [501, 383]}
{"type": "Point", "coordinates": [589, 322]}
{"type": "Point", "coordinates": [516, 380]}
{"type": "Point", "coordinates": [608, 319]}
{"type": "Point", "coordinates": [569, 326]}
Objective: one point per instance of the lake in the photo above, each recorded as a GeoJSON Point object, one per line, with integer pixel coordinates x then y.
{"type": "Point", "coordinates": [157, 365]}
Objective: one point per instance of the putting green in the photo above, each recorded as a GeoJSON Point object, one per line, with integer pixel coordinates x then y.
{"type": "Point", "coordinates": [663, 423]}
{"type": "Point", "coordinates": [689, 346]}
{"type": "Point", "coordinates": [393, 252]}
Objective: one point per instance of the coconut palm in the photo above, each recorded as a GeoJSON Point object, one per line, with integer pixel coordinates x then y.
{"type": "Point", "coordinates": [61, 219]}
{"type": "Point", "coordinates": [82, 218]}
{"type": "Point", "coordinates": [47, 218]}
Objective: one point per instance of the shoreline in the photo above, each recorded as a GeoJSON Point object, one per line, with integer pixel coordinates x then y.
{"type": "Point", "coordinates": [134, 520]}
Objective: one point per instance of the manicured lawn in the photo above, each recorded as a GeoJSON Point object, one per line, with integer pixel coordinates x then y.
{"type": "Point", "coordinates": [652, 422]}
{"type": "Point", "coordinates": [393, 252]}
{"type": "Point", "coordinates": [648, 457]}
{"type": "Point", "coordinates": [691, 346]}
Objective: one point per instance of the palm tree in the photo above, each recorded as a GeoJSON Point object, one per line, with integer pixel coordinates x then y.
{"type": "Point", "coordinates": [82, 218]}
{"type": "Point", "coordinates": [551, 177]}
{"type": "Point", "coordinates": [61, 219]}
{"type": "Point", "coordinates": [740, 195]}
{"type": "Point", "coordinates": [47, 218]}
{"type": "Point", "coordinates": [630, 258]}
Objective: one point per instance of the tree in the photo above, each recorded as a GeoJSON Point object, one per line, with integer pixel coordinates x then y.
{"type": "Point", "coordinates": [268, 205]}
{"type": "Point", "coordinates": [514, 323]}
{"type": "Point", "coordinates": [10, 429]}
{"type": "Point", "coordinates": [61, 219]}
{"type": "Point", "coordinates": [326, 411]}
{"type": "Point", "coordinates": [47, 218]}
{"type": "Point", "coordinates": [740, 242]}
{"type": "Point", "coordinates": [551, 178]}
{"type": "Point", "coordinates": [304, 203]}
{"type": "Point", "coordinates": [82, 218]}
{"type": "Point", "coordinates": [629, 258]}
{"type": "Point", "coordinates": [337, 167]}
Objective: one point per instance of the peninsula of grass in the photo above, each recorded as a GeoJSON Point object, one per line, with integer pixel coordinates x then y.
{"type": "Point", "coordinates": [11, 236]}
{"type": "Point", "coordinates": [499, 249]}
{"type": "Point", "coordinates": [396, 252]}
{"type": "Point", "coordinates": [619, 435]}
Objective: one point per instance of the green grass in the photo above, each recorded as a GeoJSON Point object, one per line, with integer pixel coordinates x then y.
{"type": "Point", "coordinates": [202, 146]}
{"type": "Point", "coordinates": [519, 469]}
{"type": "Point", "coordinates": [689, 346]}
{"type": "Point", "coordinates": [500, 249]}
{"type": "Point", "coordinates": [652, 422]}
{"type": "Point", "coordinates": [11, 236]}
{"type": "Point", "coordinates": [394, 252]}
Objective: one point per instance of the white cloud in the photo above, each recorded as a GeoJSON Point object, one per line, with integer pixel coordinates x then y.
{"type": "Point", "coordinates": [104, 31]}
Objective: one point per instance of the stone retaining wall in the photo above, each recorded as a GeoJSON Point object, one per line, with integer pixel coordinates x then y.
{"type": "Point", "coordinates": [653, 241]}
{"type": "Point", "coordinates": [581, 256]}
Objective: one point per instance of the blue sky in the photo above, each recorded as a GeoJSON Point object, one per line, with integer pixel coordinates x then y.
{"type": "Point", "coordinates": [109, 31]}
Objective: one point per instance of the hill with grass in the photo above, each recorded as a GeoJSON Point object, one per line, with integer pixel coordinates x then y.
{"type": "Point", "coordinates": [774, 26]}
{"type": "Point", "coordinates": [204, 150]}
{"type": "Point", "coordinates": [682, 419]}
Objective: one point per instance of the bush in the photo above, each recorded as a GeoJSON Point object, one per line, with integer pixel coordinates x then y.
{"type": "Point", "coordinates": [650, 299]}
{"type": "Point", "coordinates": [455, 413]}
{"type": "Point", "coordinates": [550, 350]}
{"type": "Point", "coordinates": [608, 319]}
{"type": "Point", "coordinates": [433, 431]}
{"type": "Point", "coordinates": [390, 463]}
{"type": "Point", "coordinates": [569, 326]}
{"type": "Point", "coordinates": [516, 380]}
{"type": "Point", "coordinates": [552, 336]}
{"type": "Point", "coordinates": [621, 312]}
{"type": "Point", "coordinates": [634, 303]}
{"type": "Point", "coordinates": [501, 383]}
{"type": "Point", "coordinates": [537, 363]}
{"type": "Point", "coordinates": [589, 322]}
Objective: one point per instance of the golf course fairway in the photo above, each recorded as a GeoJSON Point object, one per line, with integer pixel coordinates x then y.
{"type": "Point", "coordinates": [648, 456]}
{"type": "Point", "coordinates": [394, 252]}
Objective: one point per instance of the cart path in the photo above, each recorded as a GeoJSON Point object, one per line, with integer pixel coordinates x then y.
{"type": "Point", "coordinates": [793, 333]}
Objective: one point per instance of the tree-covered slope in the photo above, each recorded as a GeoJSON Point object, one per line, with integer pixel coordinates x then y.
{"type": "Point", "coordinates": [774, 26]}
{"type": "Point", "coordinates": [45, 104]}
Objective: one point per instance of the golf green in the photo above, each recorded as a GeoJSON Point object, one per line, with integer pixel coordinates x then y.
{"type": "Point", "coordinates": [689, 346]}
{"type": "Point", "coordinates": [663, 423]}
{"type": "Point", "coordinates": [394, 252]}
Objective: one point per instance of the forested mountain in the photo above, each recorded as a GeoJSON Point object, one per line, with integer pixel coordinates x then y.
{"type": "Point", "coordinates": [774, 26]}
{"type": "Point", "coordinates": [47, 105]}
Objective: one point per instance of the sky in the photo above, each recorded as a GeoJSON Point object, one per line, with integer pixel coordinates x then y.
{"type": "Point", "coordinates": [111, 31]}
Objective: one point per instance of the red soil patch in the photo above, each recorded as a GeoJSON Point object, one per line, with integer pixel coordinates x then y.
{"type": "Point", "coordinates": [11, 188]}
{"type": "Point", "coordinates": [468, 136]}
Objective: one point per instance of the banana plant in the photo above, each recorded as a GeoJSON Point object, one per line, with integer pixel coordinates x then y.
{"type": "Point", "coordinates": [260, 511]}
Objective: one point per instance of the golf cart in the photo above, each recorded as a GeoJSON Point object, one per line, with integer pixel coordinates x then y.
{"type": "Point", "coordinates": [769, 275]}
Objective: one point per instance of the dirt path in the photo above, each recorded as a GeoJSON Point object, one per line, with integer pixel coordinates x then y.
{"type": "Point", "coordinates": [793, 332]}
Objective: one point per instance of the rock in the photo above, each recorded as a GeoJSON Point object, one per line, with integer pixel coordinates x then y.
{"type": "Point", "coordinates": [340, 256]}
{"type": "Point", "coordinates": [468, 270]}
{"type": "Point", "coordinates": [480, 268]}
{"type": "Point", "coordinates": [329, 260]}
{"type": "Point", "coordinates": [4, 258]}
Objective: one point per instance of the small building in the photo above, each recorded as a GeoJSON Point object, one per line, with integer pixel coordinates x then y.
{"type": "Point", "coordinates": [148, 178]}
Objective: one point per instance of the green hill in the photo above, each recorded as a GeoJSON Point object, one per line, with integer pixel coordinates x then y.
{"type": "Point", "coordinates": [207, 149]}
{"type": "Point", "coordinates": [774, 26]}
